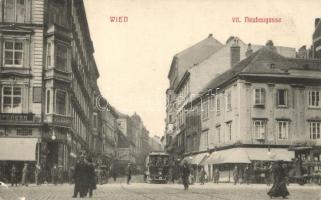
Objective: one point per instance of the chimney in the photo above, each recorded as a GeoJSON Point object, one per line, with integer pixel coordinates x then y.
{"type": "Point", "coordinates": [317, 20]}
{"type": "Point", "coordinates": [235, 52]}
{"type": "Point", "coordinates": [249, 50]}
{"type": "Point", "coordinates": [269, 44]}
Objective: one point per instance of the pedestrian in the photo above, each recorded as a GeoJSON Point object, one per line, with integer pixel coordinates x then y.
{"type": "Point", "coordinates": [279, 188]}
{"type": "Point", "coordinates": [80, 177]}
{"type": "Point", "coordinates": [129, 172]}
{"type": "Point", "coordinates": [14, 180]}
{"type": "Point", "coordinates": [25, 180]}
{"type": "Point", "coordinates": [91, 176]}
{"type": "Point", "coordinates": [268, 174]}
{"type": "Point", "coordinates": [246, 175]}
{"type": "Point", "coordinates": [216, 175]}
{"type": "Point", "coordinates": [185, 173]}
{"type": "Point", "coordinates": [113, 171]}
{"type": "Point", "coordinates": [236, 175]}
{"type": "Point", "coordinates": [202, 176]}
{"type": "Point", "coordinates": [71, 172]}
{"type": "Point", "coordinates": [37, 174]}
{"type": "Point", "coordinates": [61, 174]}
{"type": "Point", "coordinates": [54, 174]}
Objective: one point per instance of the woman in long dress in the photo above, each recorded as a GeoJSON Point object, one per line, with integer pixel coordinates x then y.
{"type": "Point", "coordinates": [279, 188]}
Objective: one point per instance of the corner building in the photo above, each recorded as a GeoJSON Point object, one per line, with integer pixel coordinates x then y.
{"type": "Point", "coordinates": [48, 84]}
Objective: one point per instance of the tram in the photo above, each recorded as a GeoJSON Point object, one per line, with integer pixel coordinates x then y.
{"type": "Point", "coordinates": [157, 167]}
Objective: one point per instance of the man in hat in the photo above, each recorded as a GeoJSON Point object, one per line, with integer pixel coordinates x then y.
{"type": "Point", "coordinates": [129, 172]}
{"type": "Point", "coordinates": [80, 177]}
{"type": "Point", "coordinates": [185, 172]}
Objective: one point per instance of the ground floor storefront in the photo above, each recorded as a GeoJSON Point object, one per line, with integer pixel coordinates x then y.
{"type": "Point", "coordinates": [37, 146]}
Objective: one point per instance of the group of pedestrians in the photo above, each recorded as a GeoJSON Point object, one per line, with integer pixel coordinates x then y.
{"type": "Point", "coordinates": [84, 177]}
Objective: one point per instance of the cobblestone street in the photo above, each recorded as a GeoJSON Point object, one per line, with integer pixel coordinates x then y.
{"type": "Point", "coordinates": [141, 191]}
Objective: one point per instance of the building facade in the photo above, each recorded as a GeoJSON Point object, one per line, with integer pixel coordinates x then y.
{"type": "Point", "coordinates": [48, 80]}
{"type": "Point", "coordinates": [261, 107]}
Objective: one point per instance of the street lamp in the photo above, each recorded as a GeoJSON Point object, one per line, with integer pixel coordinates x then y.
{"type": "Point", "coordinates": [53, 137]}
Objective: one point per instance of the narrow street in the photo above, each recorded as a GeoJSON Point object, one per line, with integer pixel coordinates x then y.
{"type": "Point", "coordinates": [142, 191]}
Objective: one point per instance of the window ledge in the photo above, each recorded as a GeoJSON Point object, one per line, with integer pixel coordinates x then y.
{"type": "Point", "coordinates": [282, 107]}
{"type": "Point", "coordinates": [314, 108]}
{"type": "Point", "coordinates": [259, 105]}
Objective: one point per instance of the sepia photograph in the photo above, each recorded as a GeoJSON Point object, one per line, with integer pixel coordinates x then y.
{"type": "Point", "coordinates": [160, 99]}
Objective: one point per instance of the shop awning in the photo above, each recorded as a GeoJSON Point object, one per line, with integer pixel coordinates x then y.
{"type": "Point", "coordinates": [18, 149]}
{"type": "Point", "coordinates": [234, 155]}
{"type": "Point", "coordinates": [263, 154]}
{"type": "Point", "coordinates": [189, 159]}
{"type": "Point", "coordinates": [197, 160]}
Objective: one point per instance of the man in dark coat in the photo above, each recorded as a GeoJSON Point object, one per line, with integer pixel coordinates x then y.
{"type": "Point", "coordinates": [91, 177]}
{"type": "Point", "coordinates": [54, 174]}
{"type": "Point", "coordinates": [279, 181]}
{"type": "Point", "coordinates": [80, 178]}
{"type": "Point", "coordinates": [129, 172]}
{"type": "Point", "coordinates": [14, 178]}
{"type": "Point", "coordinates": [185, 172]}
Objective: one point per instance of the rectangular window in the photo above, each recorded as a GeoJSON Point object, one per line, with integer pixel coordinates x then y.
{"type": "Point", "coordinates": [228, 101]}
{"type": "Point", "coordinates": [282, 97]}
{"type": "Point", "coordinates": [259, 129]}
{"type": "Point", "coordinates": [48, 101]}
{"type": "Point", "coordinates": [11, 99]}
{"type": "Point", "coordinates": [229, 130]}
{"type": "Point", "coordinates": [205, 109]}
{"type": "Point", "coordinates": [283, 130]}
{"type": "Point", "coordinates": [259, 96]}
{"type": "Point", "coordinates": [49, 56]}
{"type": "Point", "coordinates": [95, 120]}
{"type": "Point", "coordinates": [315, 130]}
{"type": "Point", "coordinates": [15, 10]}
{"type": "Point", "coordinates": [61, 59]}
{"type": "Point", "coordinates": [61, 98]}
{"type": "Point", "coordinates": [13, 53]}
{"type": "Point", "coordinates": [218, 130]}
{"type": "Point", "coordinates": [314, 98]}
{"type": "Point", "coordinates": [36, 95]}
{"type": "Point", "coordinates": [218, 105]}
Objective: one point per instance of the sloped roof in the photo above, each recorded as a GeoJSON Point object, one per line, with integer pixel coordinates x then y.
{"type": "Point", "coordinates": [265, 61]}
{"type": "Point", "coordinates": [196, 53]}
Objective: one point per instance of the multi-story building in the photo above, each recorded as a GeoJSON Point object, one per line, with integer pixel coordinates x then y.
{"type": "Point", "coordinates": [190, 72]}
{"type": "Point", "coordinates": [257, 110]}
{"type": "Point", "coordinates": [127, 151]}
{"type": "Point", "coordinates": [48, 78]}
{"type": "Point", "coordinates": [109, 134]}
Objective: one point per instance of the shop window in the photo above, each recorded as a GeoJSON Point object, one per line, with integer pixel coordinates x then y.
{"type": "Point", "coordinates": [11, 99]}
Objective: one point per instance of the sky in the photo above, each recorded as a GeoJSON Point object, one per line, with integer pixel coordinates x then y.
{"type": "Point", "coordinates": [134, 57]}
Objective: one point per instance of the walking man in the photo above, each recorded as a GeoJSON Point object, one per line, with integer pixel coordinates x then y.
{"type": "Point", "coordinates": [24, 180]}
{"type": "Point", "coordinates": [202, 176]}
{"type": "Point", "coordinates": [14, 176]}
{"type": "Point", "coordinates": [246, 175]}
{"type": "Point", "coordinates": [236, 175]}
{"type": "Point", "coordinates": [54, 174]}
{"type": "Point", "coordinates": [185, 175]}
{"type": "Point", "coordinates": [216, 175]}
{"type": "Point", "coordinates": [129, 173]}
{"type": "Point", "coordinates": [80, 178]}
{"type": "Point", "coordinates": [91, 177]}
{"type": "Point", "coordinates": [37, 174]}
